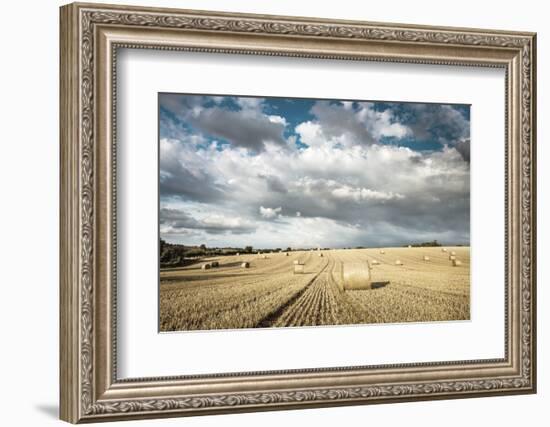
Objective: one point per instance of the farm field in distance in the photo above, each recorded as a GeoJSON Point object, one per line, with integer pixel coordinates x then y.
{"type": "Point", "coordinates": [269, 294]}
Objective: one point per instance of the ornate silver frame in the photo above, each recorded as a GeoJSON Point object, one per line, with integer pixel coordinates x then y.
{"type": "Point", "coordinates": [90, 36]}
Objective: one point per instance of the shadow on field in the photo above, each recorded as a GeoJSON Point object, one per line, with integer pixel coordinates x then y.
{"type": "Point", "coordinates": [201, 277]}
{"type": "Point", "coordinates": [378, 285]}
{"type": "Point", "coordinates": [231, 264]}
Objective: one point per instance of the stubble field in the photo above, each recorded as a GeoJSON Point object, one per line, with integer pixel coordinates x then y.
{"type": "Point", "coordinates": [270, 294]}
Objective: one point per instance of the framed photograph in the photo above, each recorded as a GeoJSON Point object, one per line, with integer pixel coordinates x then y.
{"type": "Point", "coordinates": [267, 212]}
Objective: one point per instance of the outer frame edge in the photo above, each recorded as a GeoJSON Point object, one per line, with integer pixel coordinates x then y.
{"type": "Point", "coordinates": [69, 330]}
{"type": "Point", "coordinates": [68, 224]}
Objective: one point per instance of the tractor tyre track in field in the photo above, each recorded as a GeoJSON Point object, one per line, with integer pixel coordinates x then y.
{"type": "Point", "coordinates": [271, 318]}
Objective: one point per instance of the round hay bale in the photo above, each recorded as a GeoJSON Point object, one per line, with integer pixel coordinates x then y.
{"type": "Point", "coordinates": [264, 256]}
{"type": "Point", "coordinates": [426, 258]}
{"type": "Point", "coordinates": [214, 264]}
{"type": "Point", "coordinates": [410, 246]}
{"type": "Point", "coordinates": [382, 252]}
{"type": "Point", "coordinates": [206, 266]}
{"type": "Point", "coordinates": [245, 265]}
{"type": "Point", "coordinates": [453, 253]}
{"type": "Point", "coordinates": [356, 276]}
{"type": "Point", "coordinates": [321, 254]}
{"type": "Point", "coordinates": [398, 262]}
{"type": "Point", "coordinates": [298, 268]}
{"type": "Point", "coordinates": [375, 262]}
{"type": "Point", "coordinates": [443, 250]}
{"type": "Point", "coordinates": [296, 262]}
{"type": "Point", "coordinates": [238, 254]}
{"type": "Point", "coordinates": [286, 253]}
{"type": "Point", "coordinates": [452, 257]}
{"type": "Point", "coordinates": [456, 263]}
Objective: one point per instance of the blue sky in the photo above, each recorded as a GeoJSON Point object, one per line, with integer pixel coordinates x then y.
{"type": "Point", "coordinates": [274, 172]}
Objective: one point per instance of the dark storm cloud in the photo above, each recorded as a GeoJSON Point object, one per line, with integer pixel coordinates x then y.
{"type": "Point", "coordinates": [182, 175]}
{"type": "Point", "coordinates": [179, 182]}
{"type": "Point", "coordinates": [338, 121]}
{"type": "Point", "coordinates": [463, 147]}
{"type": "Point", "coordinates": [444, 123]}
{"type": "Point", "coordinates": [176, 221]}
{"type": "Point", "coordinates": [240, 121]}
{"type": "Point", "coordinates": [274, 183]}
{"type": "Point", "coordinates": [240, 128]}
{"type": "Point", "coordinates": [432, 208]}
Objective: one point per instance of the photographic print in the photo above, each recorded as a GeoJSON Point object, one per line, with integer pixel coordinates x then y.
{"type": "Point", "coordinates": [294, 212]}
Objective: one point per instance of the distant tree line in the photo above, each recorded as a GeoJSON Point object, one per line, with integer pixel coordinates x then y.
{"type": "Point", "coordinates": [433, 243]}
{"type": "Point", "coordinates": [176, 255]}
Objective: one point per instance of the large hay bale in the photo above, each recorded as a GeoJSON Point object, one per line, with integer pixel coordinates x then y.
{"type": "Point", "coordinates": [237, 254]}
{"type": "Point", "coordinates": [214, 264]}
{"type": "Point", "coordinates": [410, 246]}
{"type": "Point", "coordinates": [298, 268]}
{"type": "Point", "coordinates": [264, 256]}
{"type": "Point", "coordinates": [398, 262]}
{"type": "Point", "coordinates": [456, 263]}
{"type": "Point", "coordinates": [286, 253]}
{"type": "Point", "coordinates": [426, 258]}
{"type": "Point", "coordinates": [452, 257]}
{"type": "Point", "coordinates": [453, 253]}
{"type": "Point", "coordinates": [356, 276]}
{"type": "Point", "coordinates": [206, 266]}
{"type": "Point", "coordinates": [321, 254]}
{"type": "Point", "coordinates": [382, 252]}
{"type": "Point", "coordinates": [443, 250]}
{"type": "Point", "coordinates": [245, 265]}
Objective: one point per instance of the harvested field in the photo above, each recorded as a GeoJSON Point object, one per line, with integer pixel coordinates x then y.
{"type": "Point", "coordinates": [269, 294]}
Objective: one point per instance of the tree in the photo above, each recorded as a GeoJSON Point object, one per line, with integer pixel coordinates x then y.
{"type": "Point", "coordinates": [248, 249]}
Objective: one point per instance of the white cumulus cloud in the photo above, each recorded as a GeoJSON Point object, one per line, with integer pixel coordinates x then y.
{"type": "Point", "coordinates": [270, 213]}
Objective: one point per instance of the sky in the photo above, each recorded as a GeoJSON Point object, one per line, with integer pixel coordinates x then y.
{"type": "Point", "coordinates": [306, 173]}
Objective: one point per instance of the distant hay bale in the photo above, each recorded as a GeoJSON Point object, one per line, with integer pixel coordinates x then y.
{"type": "Point", "coordinates": [356, 276]}
{"type": "Point", "coordinates": [214, 264]}
{"type": "Point", "coordinates": [296, 262]}
{"type": "Point", "coordinates": [321, 254]}
{"type": "Point", "coordinates": [286, 253]}
{"type": "Point", "coordinates": [398, 262]}
{"type": "Point", "coordinates": [375, 262]}
{"type": "Point", "coordinates": [382, 252]}
{"type": "Point", "coordinates": [456, 263]}
{"type": "Point", "coordinates": [443, 250]}
{"type": "Point", "coordinates": [298, 268]}
{"type": "Point", "coordinates": [245, 265]}
{"type": "Point", "coordinates": [426, 258]}
{"type": "Point", "coordinates": [206, 266]}
{"type": "Point", "coordinates": [452, 257]}
{"type": "Point", "coordinates": [264, 256]}
{"type": "Point", "coordinates": [410, 246]}
{"type": "Point", "coordinates": [453, 253]}
{"type": "Point", "coordinates": [237, 254]}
